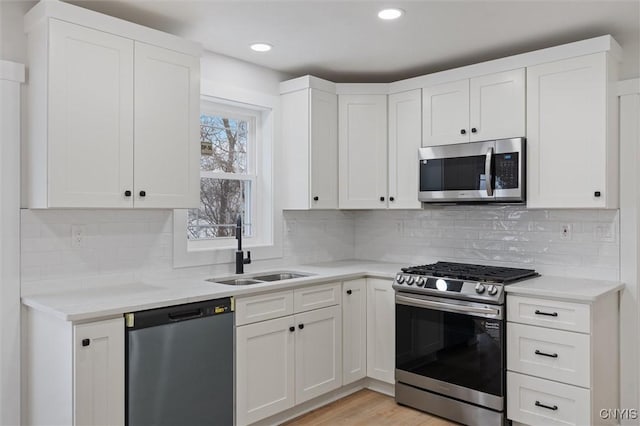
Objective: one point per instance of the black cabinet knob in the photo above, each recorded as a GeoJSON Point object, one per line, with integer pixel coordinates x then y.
{"type": "Point", "coordinates": [349, 292]}
{"type": "Point", "coordinates": [463, 132]}
{"type": "Point", "coordinates": [381, 198]}
{"type": "Point", "coordinates": [316, 198]}
{"type": "Point", "coordinates": [86, 342]}
{"type": "Point", "coordinates": [300, 326]}
{"type": "Point", "coordinates": [474, 130]}
{"type": "Point", "coordinates": [292, 329]}
{"type": "Point", "coordinates": [127, 193]}
{"type": "Point", "coordinates": [391, 199]}
{"type": "Point", "coordinates": [143, 193]}
{"type": "Point", "coordinates": [596, 194]}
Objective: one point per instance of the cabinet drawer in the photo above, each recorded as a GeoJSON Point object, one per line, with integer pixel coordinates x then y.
{"type": "Point", "coordinates": [263, 307]}
{"type": "Point", "coordinates": [320, 296]}
{"type": "Point", "coordinates": [549, 313]}
{"type": "Point", "coordinates": [534, 401]}
{"type": "Point", "coordinates": [551, 354]}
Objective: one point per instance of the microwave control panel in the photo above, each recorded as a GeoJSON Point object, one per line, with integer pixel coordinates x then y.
{"type": "Point", "coordinates": [507, 170]}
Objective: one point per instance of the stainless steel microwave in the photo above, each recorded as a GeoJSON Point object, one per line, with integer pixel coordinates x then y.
{"type": "Point", "coordinates": [485, 172]}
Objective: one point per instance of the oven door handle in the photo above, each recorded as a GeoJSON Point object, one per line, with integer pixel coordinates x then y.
{"type": "Point", "coordinates": [449, 307]}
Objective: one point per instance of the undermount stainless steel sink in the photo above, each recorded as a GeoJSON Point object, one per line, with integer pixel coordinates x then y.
{"type": "Point", "coordinates": [281, 276]}
{"type": "Point", "coordinates": [239, 281]}
{"type": "Point", "coordinates": [257, 279]}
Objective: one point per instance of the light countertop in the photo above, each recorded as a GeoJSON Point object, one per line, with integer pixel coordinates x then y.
{"type": "Point", "coordinates": [112, 300]}
{"type": "Point", "coordinates": [564, 288]}
{"type": "Point", "coordinates": [108, 301]}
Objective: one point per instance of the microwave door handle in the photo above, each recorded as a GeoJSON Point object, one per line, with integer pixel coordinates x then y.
{"type": "Point", "coordinates": [487, 172]}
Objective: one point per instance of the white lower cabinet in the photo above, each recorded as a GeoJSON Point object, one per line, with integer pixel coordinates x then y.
{"type": "Point", "coordinates": [286, 361]}
{"type": "Point", "coordinates": [562, 360]}
{"type": "Point", "coordinates": [381, 330]}
{"type": "Point", "coordinates": [318, 352]}
{"type": "Point", "coordinates": [264, 369]}
{"type": "Point", "coordinates": [75, 373]}
{"type": "Point", "coordinates": [354, 330]}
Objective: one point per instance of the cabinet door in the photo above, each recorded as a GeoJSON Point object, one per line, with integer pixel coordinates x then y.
{"type": "Point", "coordinates": [293, 167]}
{"type": "Point", "coordinates": [567, 133]}
{"type": "Point", "coordinates": [167, 128]}
{"type": "Point", "coordinates": [381, 322]}
{"type": "Point", "coordinates": [496, 103]}
{"type": "Point", "coordinates": [318, 352]}
{"type": "Point", "coordinates": [98, 390]}
{"type": "Point", "coordinates": [362, 124]}
{"type": "Point", "coordinates": [323, 134]}
{"type": "Point", "coordinates": [90, 110]}
{"type": "Point", "coordinates": [264, 369]}
{"type": "Point", "coordinates": [405, 137]}
{"type": "Point", "coordinates": [354, 331]}
{"type": "Point", "coordinates": [445, 113]}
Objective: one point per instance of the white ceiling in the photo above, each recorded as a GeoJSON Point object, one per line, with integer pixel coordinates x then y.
{"type": "Point", "coordinates": [344, 41]}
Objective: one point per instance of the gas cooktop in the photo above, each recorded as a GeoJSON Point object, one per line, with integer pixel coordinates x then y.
{"type": "Point", "coordinates": [460, 280]}
{"type": "Point", "coordinates": [466, 271]}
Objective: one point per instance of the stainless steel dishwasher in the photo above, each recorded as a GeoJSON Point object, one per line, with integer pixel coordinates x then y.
{"type": "Point", "coordinates": [179, 365]}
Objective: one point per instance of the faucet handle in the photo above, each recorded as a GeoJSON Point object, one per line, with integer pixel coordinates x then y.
{"type": "Point", "coordinates": [247, 260]}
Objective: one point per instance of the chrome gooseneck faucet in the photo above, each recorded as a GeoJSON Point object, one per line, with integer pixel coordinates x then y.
{"type": "Point", "coordinates": [240, 259]}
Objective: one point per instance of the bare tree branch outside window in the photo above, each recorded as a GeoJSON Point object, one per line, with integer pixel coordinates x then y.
{"type": "Point", "coordinates": [224, 150]}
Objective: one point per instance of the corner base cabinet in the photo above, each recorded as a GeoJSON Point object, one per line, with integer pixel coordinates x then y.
{"type": "Point", "coordinates": [562, 360]}
{"type": "Point", "coordinates": [113, 119]}
{"type": "Point", "coordinates": [75, 372]}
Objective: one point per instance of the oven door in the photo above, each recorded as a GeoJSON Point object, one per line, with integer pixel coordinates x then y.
{"type": "Point", "coordinates": [451, 347]}
{"type": "Point", "coordinates": [461, 172]}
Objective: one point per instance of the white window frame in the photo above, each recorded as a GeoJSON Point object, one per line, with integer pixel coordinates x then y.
{"type": "Point", "coordinates": [268, 243]}
{"type": "Point", "coordinates": [254, 118]}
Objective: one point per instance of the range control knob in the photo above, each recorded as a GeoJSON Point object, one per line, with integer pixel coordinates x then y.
{"type": "Point", "coordinates": [492, 290]}
{"type": "Point", "coordinates": [479, 288]}
{"type": "Point", "coordinates": [411, 280]}
{"type": "Point", "coordinates": [420, 282]}
{"type": "Point", "coordinates": [400, 279]}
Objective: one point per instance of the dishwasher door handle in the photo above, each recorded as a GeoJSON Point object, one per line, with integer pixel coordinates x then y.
{"type": "Point", "coordinates": [185, 315]}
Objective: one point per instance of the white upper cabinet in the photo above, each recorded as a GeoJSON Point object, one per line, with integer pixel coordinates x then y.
{"type": "Point", "coordinates": [90, 117]}
{"type": "Point", "coordinates": [481, 108]}
{"type": "Point", "coordinates": [362, 142]}
{"type": "Point", "coordinates": [572, 144]}
{"type": "Point", "coordinates": [497, 106]}
{"type": "Point", "coordinates": [405, 137]}
{"type": "Point", "coordinates": [309, 170]}
{"type": "Point", "coordinates": [446, 113]}
{"type": "Point", "coordinates": [167, 128]}
{"type": "Point", "coordinates": [110, 117]}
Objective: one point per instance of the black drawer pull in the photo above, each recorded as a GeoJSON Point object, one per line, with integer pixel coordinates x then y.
{"type": "Point", "coordinates": [548, 407]}
{"type": "Point", "coordinates": [549, 314]}
{"type": "Point", "coordinates": [546, 354]}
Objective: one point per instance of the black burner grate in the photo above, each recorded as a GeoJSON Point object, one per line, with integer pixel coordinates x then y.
{"type": "Point", "coordinates": [465, 271]}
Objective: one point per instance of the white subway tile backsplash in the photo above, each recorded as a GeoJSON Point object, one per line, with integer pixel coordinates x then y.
{"type": "Point", "coordinates": [123, 245]}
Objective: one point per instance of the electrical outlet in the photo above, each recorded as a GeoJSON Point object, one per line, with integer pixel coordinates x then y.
{"type": "Point", "coordinates": [565, 232]}
{"type": "Point", "coordinates": [291, 227]}
{"type": "Point", "coordinates": [78, 234]}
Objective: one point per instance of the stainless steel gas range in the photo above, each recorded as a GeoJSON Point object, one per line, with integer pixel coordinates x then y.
{"type": "Point", "coordinates": [450, 340]}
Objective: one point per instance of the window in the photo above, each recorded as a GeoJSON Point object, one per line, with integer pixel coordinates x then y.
{"type": "Point", "coordinates": [236, 171]}
{"type": "Point", "coordinates": [227, 174]}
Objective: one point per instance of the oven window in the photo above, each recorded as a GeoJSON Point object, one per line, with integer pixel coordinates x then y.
{"type": "Point", "coordinates": [453, 174]}
{"type": "Point", "coordinates": [454, 348]}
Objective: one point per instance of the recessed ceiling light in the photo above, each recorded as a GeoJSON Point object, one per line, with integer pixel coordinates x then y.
{"type": "Point", "coordinates": [388, 14]}
{"type": "Point", "coordinates": [261, 47]}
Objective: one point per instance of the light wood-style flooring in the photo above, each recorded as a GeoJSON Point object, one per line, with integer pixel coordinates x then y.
{"type": "Point", "coordinates": [366, 407]}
